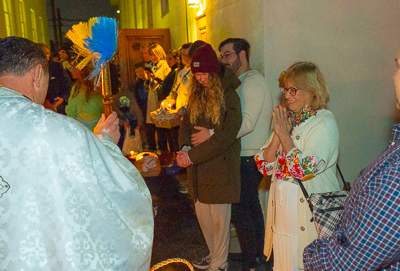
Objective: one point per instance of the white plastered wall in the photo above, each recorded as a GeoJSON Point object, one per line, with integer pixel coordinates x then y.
{"type": "Point", "coordinates": [175, 20]}
{"type": "Point", "coordinates": [237, 19]}
{"type": "Point", "coordinates": [354, 43]}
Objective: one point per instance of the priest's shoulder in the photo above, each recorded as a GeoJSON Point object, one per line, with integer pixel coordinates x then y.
{"type": "Point", "coordinates": [55, 126]}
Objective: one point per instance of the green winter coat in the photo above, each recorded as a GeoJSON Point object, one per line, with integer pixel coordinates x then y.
{"type": "Point", "coordinates": [214, 177]}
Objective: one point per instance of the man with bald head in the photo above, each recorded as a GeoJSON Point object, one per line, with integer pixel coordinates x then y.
{"type": "Point", "coordinates": [69, 200]}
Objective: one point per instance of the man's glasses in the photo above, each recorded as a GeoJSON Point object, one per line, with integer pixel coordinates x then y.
{"type": "Point", "coordinates": [222, 57]}
{"type": "Point", "coordinates": [291, 91]}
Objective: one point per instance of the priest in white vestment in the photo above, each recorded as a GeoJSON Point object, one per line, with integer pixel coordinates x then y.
{"type": "Point", "coordinates": [69, 200]}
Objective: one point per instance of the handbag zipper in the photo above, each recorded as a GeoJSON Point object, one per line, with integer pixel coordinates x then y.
{"type": "Point", "coordinates": [333, 209]}
{"type": "Point", "coordinates": [333, 196]}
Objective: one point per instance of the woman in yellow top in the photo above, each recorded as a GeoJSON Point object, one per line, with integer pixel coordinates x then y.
{"type": "Point", "coordinates": [85, 102]}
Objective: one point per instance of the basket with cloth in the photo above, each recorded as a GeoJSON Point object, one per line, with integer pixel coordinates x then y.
{"type": "Point", "coordinates": [164, 118]}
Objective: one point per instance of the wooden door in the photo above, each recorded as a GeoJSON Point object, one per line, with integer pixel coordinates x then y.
{"type": "Point", "coordinates": [201, 23]}
{"type": "Point", "coordinates": [129, 43]}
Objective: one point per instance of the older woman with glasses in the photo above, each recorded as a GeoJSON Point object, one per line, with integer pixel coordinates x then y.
{"type": "Point", "coordinates": [303, 147]}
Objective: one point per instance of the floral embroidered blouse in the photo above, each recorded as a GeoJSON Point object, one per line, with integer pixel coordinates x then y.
{"type": "Point", "coordinates": [294, 165]}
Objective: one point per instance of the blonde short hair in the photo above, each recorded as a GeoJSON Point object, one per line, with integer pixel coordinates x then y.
{"type": "Point", "coordinates": [158, 51]}
{"type": "Point", "coordinates": [306, 76]}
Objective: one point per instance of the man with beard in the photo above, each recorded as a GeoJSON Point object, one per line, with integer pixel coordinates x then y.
{"type": "Point", "coordinates": [256, 101]}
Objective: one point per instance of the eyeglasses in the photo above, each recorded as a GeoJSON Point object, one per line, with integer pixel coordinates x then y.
{"type": "Point", "coordinates": [222, 57]}
{"type": "Point", "coordinates": [291, 91]}
{"type": "Point", "coordinates": [397, 63]}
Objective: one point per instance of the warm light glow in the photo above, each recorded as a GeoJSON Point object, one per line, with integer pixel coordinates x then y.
{"type": "Point", "coordinates": [132, 155]}
{"type": "Point", "coordinates": [142, 154]}
{"type": "Point", "coordinates": [193, 3]}
{"type": "Point", "coordinates": [118, 11]}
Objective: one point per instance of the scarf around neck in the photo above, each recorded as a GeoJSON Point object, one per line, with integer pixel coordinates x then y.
{"type": "Point", "coordinates": [300, 117]}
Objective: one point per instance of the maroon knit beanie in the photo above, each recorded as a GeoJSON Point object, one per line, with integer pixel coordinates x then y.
{"type": "Point", "coordinates": [205, 59]}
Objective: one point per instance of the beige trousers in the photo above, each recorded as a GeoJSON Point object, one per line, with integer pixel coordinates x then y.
{"type": "Point", "coordinates": [214, 220]}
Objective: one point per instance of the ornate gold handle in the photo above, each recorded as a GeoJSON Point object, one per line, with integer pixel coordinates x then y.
{"type": "Point", "coordinates": [106, 89]}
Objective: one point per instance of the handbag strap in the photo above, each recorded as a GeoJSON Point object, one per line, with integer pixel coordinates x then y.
{"type": "Point", "coordinates": [305, 193]}
{"type": "Point", "coordinates": [340, 173]}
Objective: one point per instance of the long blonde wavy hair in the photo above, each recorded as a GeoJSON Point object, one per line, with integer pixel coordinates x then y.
{"type": "Point", "coordinates": [208, 100]}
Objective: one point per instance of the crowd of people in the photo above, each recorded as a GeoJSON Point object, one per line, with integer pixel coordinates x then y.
{"type": "Point", "coordinates": [69, 199]}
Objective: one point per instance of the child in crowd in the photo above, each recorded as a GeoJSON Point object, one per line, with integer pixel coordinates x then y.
{"type": "Point", "coordinates": [146, 56]}
{"type": "Point", "coordinates": [128, 110]}
{"type": "Point", "coordinates": [160, 67]}
{"type": "Point", "coordinates": [141, 94]}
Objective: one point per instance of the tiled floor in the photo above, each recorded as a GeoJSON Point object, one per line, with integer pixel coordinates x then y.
{"type": "Point", "coordinates": [176, 231]}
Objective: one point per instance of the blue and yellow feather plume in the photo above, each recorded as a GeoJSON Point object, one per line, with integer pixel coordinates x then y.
{"type": "Point", "coordinates": [95, 41]}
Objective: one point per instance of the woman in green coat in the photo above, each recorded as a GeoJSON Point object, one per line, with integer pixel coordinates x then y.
{"type": "Point", "coordinates": [214, 165]}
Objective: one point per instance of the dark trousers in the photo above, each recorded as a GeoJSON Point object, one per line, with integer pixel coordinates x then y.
{"type": "Point", "coordinates": [173, 139]}
{"type": "Point", "coordinates": [170, 136]}
{"type": "Point", "coordinates": [247, 215]}
{"type": "Point", "coordinates": [162, 135]}
{"type": "Point", "coordinates": [151, 136]}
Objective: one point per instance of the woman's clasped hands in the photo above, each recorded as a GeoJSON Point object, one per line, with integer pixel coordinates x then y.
{"type": "Point", "coordinates": [282, 124]}
{"type": "Point", "coordinates": [282, 129]}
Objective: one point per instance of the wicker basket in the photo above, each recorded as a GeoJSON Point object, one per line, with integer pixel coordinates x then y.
{"type": "Point", "coordinates": [165, 120]}
{"type": "Point", "coordinates": [151, 171]}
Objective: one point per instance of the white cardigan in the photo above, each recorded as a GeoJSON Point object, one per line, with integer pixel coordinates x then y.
{"type": "Point", "coordinates": [318, 136]}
